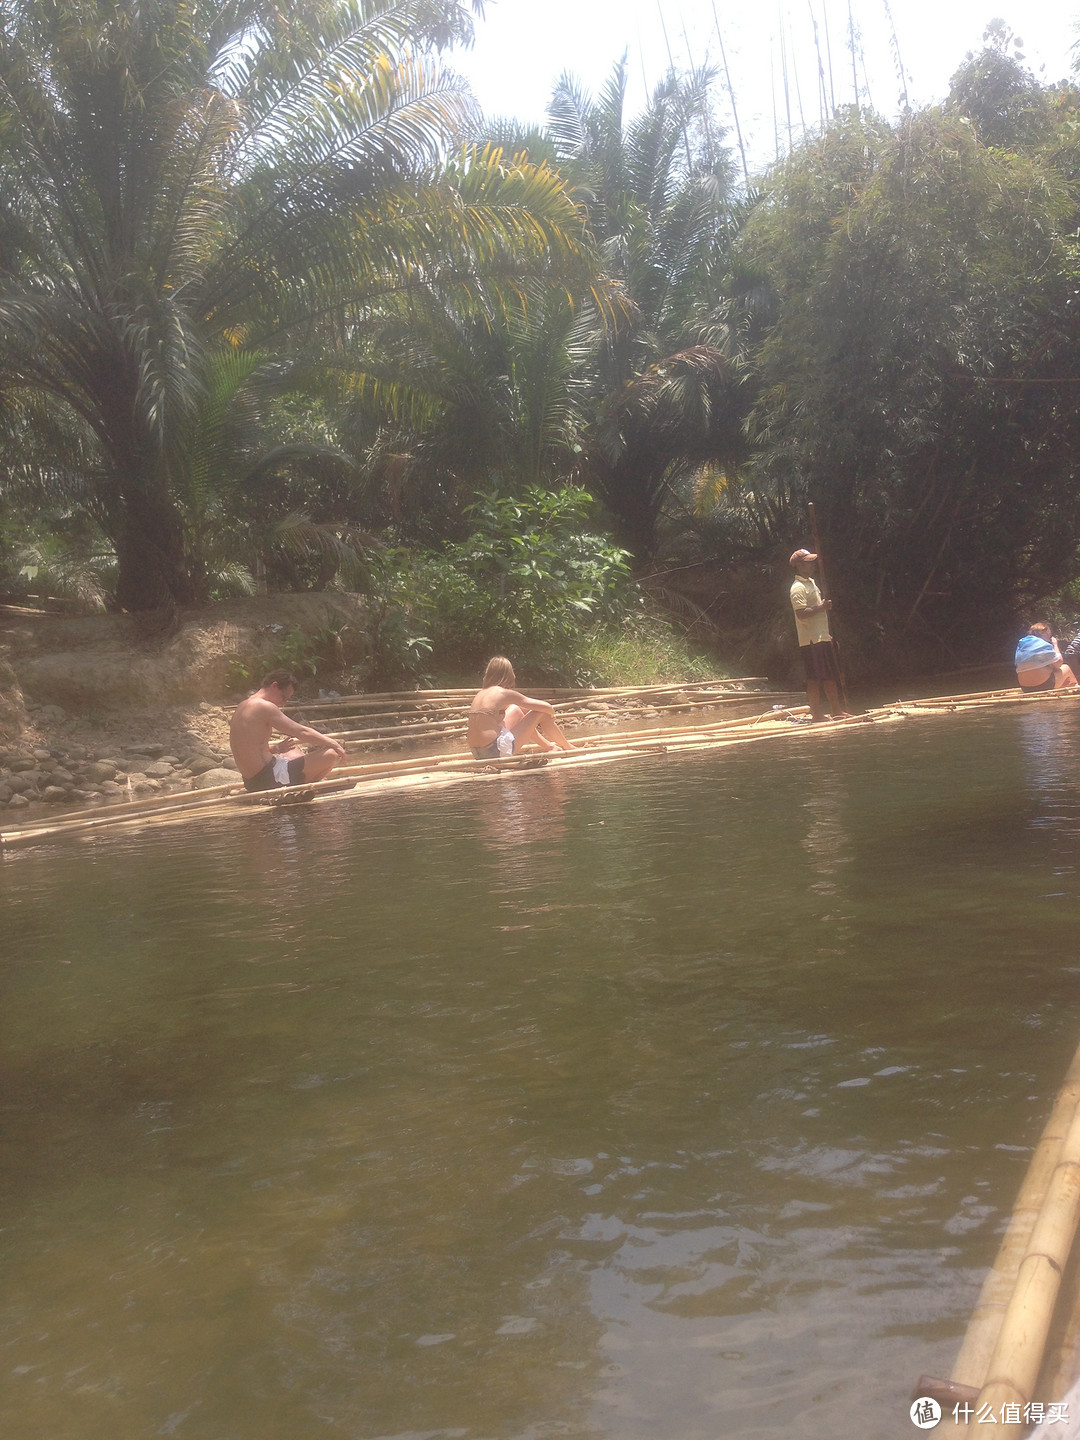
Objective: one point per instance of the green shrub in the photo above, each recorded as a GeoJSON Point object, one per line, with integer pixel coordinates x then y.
{"type": "Point", "coordinates": [527, 583]}
{"type": "Point", "coordinates": [642, 651]}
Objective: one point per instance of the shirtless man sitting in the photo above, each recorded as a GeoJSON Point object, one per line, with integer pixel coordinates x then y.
{"type": "Point", "coordinates": [501, 719]}
{"type": "Point", "coordinates": [264, 766]}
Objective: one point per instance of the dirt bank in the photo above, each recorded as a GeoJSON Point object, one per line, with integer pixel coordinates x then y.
{"type": "Point", "coordinates": [99, 708]}
{"type": "Point", "coordinates": [101, 665]}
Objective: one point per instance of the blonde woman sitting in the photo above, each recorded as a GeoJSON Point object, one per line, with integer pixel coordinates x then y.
{"type": "Point", "coordinates": [502, 720]}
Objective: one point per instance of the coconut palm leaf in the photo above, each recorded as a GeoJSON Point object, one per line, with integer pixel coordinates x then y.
{"type": "Point", "coordinates": [180, 177]}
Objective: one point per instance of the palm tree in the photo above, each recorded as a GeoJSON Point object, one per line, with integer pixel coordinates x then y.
{"type": "Point", "coordinates": [493, 397]}
{"type": "Point", "coordinates": [186, 177]}
{"type": "Point", "coordinates": [658, 193]}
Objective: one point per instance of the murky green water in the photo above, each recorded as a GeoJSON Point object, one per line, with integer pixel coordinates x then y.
{"type": "Point", "coordinates": [682, 1098]}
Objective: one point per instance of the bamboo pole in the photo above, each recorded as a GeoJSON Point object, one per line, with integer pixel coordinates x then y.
{"type": "Point", "coordinates": [1018, 1355]}
{"type": "Point", "coordinates": [194, 799]}
{"type": "Point", "coordinates": [423, 729]}
{"type": "Point", "coordinates": [758, 724]}
{"type": "Point", "coordinates": [135, 807]}
{"type": "Point", "coordinates": [602, 748]}
{"type": "Point", "coordinates": [543, 692]}
{"type": "Point", "coordinates": [173, 807]}
{"type": "Point", "coordinates": [973, 1360]}
{"type": "Point", "coordinates": [422, 769]}
{"type": "Point", "coordinates": [825, 596]}
{"type": "Point", "coordinates": [1059, 1374]}
{"type": "Point", "coordinates": [984, 697]}
{"type": "Point", "coordinates": [455, 714]}
{"type": "Point", "coordinates": [1013, 692]}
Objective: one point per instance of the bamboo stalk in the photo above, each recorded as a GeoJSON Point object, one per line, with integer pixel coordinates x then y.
{"type": "Point", "coordinates": [421, 729]}
{"type": "Point", "coordinates": [1002, 697]}
{"type": "Point", "coordinates": [173, 806]}
{"type": "Point", "coordinates": [543, 692]}
{"type": "Point", "coordinates": [614, 736]}
{"type": "Point", "coordinates": [196, 799]}
{"type": "Point", "coordinates": [135, 807]}
{"type": "Point", "coordinates": [973, 1360]}
{"type": "Point", "coordinates": [825, 596]}
{"type": "Point", "coordinates": [456, 715]}
{"type": "Point", "coordinates": [1060, 1374]}
{"type": "Point", "coordinates": [1012, 692]}
{"type": "Point", "coordinates": [731, 95]}
{"type": "Point", "coordinates": [1018, 1355]}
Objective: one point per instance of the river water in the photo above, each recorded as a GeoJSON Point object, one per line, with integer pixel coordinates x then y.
{"type": "Point", "coordinates": [683, 1097]}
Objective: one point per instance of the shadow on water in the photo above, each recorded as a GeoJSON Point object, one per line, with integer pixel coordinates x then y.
{"type": "Point", "coordinates": [686, 1098]}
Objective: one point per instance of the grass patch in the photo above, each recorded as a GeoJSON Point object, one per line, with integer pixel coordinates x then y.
{"type": "Point", "coordinates": [644, 653]}
{"type": "Point", "coordinates": [641, 652]}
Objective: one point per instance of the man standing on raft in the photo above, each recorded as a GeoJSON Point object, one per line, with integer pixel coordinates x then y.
{"type": "Point", "coordinates": [264, 766]}
{"type": "Point", "coordinates": [501, 719]}
{"type": "Point", "coordinates": [815, 638]}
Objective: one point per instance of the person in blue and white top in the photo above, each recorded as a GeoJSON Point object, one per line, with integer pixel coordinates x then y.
{"type": "Point", "coordinates": [1038, 661]}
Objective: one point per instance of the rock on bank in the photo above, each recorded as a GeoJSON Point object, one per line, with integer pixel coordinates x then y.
{"type": "Point", "coordinates": [102, 709]}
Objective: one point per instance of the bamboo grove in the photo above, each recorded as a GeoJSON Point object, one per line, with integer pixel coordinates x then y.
{"type": "Point", "coordinates": [281, 309]}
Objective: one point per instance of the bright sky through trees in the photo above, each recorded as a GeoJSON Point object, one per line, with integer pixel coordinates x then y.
{"type": "Point", "coordinates": [522, 47]}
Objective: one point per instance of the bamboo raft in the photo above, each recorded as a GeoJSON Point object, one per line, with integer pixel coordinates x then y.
{"type": "Point", "coordinates": [380, 776]}
{"type": "Point", "coordinates": [413, 716]}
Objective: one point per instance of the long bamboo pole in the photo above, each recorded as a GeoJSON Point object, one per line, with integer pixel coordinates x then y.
{"type": "Point", "coordinates": [200, 798]}
{"type": "Point", "coordinates": [450, 714]}
{"type": "Point", "coordinates": [825, 596]}
{"type": "Point", "coordinates": [543, 692]}
{"type": "Point", "coordinates": [134, 807]}
{"type": "Point", "coordinates": [423, 729]}
{"type": "Point", "coordinates": [973, 1360]}
{"type": "Point", "coordinates": [1061, 1368]}
{"type": "Point", "coordinates": [1018, 1355]}
{"type": "Point", "coordinates": [1012, 692]}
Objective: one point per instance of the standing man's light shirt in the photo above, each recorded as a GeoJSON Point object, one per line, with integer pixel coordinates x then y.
{"type": "Point", "coordinates": [812, 629]}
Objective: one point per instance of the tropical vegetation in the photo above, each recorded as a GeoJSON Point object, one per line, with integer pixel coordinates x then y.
{"type": "Point", "coordinates": [280, 309]}
{"type": "Point", "coordinates": [201, 199]}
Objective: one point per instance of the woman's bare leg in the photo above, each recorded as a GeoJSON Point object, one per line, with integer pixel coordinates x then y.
{"type": "Point", "coordinates": [525, 725]}
{"type": "Point", "coordinates": [551, 729]}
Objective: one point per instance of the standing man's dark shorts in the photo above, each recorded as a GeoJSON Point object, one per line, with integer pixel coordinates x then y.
{"type": "Point", "coordinates": [266, 779]}
{"type": "Point", "coordinates": [820, 662]}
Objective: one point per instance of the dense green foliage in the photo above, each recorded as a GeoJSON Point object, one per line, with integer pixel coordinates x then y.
{"type": "Point", "coordinates": [182, 181]}
{"type": "Point", "coordinates": [279, 309]}
{"type": "Point", "coordinates": [919, 384]}
{"type": "Point", "coordinates": [532, 579]}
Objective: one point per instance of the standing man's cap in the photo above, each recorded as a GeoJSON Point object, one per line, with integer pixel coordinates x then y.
{"type": "Point", "coordinates": [801, 555]}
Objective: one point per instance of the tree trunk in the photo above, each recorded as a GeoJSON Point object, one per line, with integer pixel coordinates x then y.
{"type": "Point", "coordinates": [151, 557]}
{"type": "Point", "coordinates": [632, 503]}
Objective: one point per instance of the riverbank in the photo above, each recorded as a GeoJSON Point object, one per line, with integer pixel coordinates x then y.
{"type": "Point", "coordinates": [62, 762]}
{"type": "Point", "coordinates": [102, 709]}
